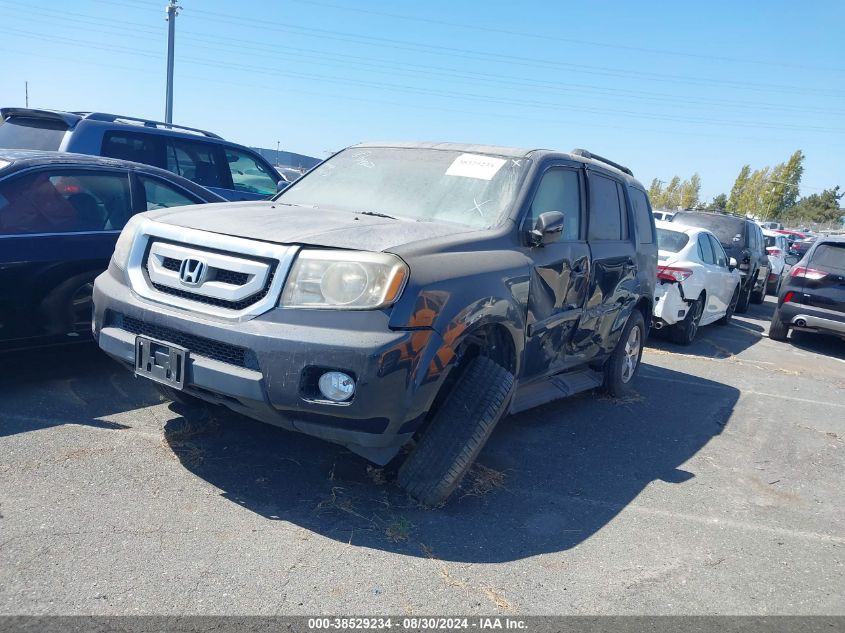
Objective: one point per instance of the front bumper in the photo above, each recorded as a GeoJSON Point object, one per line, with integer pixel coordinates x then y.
{"type": "Point", "coordinates": [267, 367]}
{"type": "Point", "coordinates": [670, 307]}
{"type": "Point", "coordinates": [812, 319]}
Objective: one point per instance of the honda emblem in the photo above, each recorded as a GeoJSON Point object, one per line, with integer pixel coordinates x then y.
{"type": "Point", "coordinates": [192, 272]}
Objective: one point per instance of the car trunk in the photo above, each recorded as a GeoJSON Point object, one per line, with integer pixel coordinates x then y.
{"type": "Point", "coordinates": [823, 284]}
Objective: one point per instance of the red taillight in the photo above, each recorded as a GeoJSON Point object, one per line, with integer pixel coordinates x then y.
{"type": "Point", "coordinates": [788, 296]}
{"type": "Point", "coordinates": [807, 273]}
{"type": "Point", "coordinates": [671, 273]}
{"type": "Point", "coordinates": [774, 252]}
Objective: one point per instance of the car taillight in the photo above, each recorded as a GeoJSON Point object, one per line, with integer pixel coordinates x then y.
{"type": "Point", "coordinates": [807, 273]}
{"type": "Point", "coordinates": [671, 273]}
{"type": "Point", "coordinates": [788, 296]}
{"type": "Point", "coordinates": [774, 252]}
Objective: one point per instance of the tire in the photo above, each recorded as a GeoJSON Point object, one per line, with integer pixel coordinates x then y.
{"type": "Point", "coordinates": [683, 333]}
{"type": "Point", "coordinates": [777, 328]}
{"type": "Point", "coordinates": [744, 299]}
{"type": "Point", "coordinates": [618, 372]}
{"type": "Point", "coordinates": [731, 307]}
{"type": "Point", "coordinates": [758, 297]}
{"type": "Point", "coordinates": [457, 432]}
{"type": "Point", "coordinates": [66, 310]}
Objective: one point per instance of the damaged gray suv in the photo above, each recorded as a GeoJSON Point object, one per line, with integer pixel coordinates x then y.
{"type": "Point", "coordinates": [397, 294]}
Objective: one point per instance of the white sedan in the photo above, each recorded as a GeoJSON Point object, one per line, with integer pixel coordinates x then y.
{"type": "Point", "coordinates": [697, 283]}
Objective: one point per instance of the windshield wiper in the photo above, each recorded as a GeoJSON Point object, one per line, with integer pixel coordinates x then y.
{"type": "Point", "coordinates": [376, 214]}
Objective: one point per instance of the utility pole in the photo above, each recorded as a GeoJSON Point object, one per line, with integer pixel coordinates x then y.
{"type": "Point", "coordinates": [172, 11]}
{"type": "Point", "coordinates": [26, 93]}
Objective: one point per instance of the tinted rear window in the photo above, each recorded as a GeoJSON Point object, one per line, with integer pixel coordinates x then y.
{"type": "Point", "coordinates": [724, 227]}
{"type": "Point", "coordinates": [829, 258]}
{"type": "Point", "coordinates": [671, 241]}
{"type": "Point", "coordinates": [21, 133]}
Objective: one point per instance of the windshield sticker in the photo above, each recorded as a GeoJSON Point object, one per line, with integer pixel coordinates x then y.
{"type": "Point", "coordinates": [475, 166]}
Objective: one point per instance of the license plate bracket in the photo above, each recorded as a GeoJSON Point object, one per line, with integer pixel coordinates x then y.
{"type": "Point", "coordinates": [162, 362]}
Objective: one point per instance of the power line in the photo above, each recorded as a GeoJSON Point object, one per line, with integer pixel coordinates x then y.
{"type": "Point", "coordinates": [450, 51]}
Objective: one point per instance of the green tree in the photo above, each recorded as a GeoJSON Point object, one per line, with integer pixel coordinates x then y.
{"type": "Point", "coordinates": [819, 207]}
{"type": "Point", "coordinates": [720, 202]}
{"type": "Point", "coordinates": [689, 191]}
{"type": "Point", "coordinates": [739, 187]}
{"type": "Point", "coordinates": [655, 193]}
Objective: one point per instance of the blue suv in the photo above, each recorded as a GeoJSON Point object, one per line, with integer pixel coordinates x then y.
{"type": "Point", "coordinates": [229, 170]}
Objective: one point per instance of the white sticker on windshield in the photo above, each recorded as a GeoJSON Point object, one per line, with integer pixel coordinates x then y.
{"type": "Point", "coordinates": [475, 166]}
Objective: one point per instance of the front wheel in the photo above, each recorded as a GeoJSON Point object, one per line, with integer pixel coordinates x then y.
{"type": "Point", "coordinates": [731, 307]}
{"type": "Point", "coordinates": [744, 297]}
{"type": "Point", "coordinates": [621, 367]}
{"type": "Point", "coordinates": [458, 431]}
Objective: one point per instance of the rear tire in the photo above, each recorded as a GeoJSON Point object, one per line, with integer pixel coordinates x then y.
{"type": "Point", "coordinates": [621, 368]}
{"type": "Point", "coordinates": [683, 333]}
{"type": "Point", "coordinates": [758, 297]}
{"type": "Point", "coordinates": [778, 330]}
{"type": "Point", "coordinates": [457, 432]}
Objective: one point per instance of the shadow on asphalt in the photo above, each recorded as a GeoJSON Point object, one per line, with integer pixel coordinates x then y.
{"type": "Point", "coordinates": [72, 384]}
{"type": "Point", "coordinates": [818, 344]}
{"type": "Point", "coordinates": [548, 479]}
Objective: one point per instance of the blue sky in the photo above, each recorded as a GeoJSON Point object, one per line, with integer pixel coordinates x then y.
{"type": "Point", "coordinates": [665, 88]}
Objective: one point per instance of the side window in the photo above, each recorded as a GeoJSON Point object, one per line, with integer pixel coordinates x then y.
{"type": "Point", "coordinates": [642, 216]}
{"type": "Point", "coordinates": [705, 249]}
{"type": "Point", "coordinates": [160, 195]}
{"type": "Point", "coordinates": [559, 190]}
{"type": "Point", "coordinates": [719, 252]}
{"type": "Point", "coordinates": [64, 201]}
{"type": "Point", "coordinates": [605, 209]}
{"type": "Point", "coordinates": [250, 175]}
{"type": "Point", "coordinates": [139, 148]}
{"type": "Point", "coordinates": [199, 162]}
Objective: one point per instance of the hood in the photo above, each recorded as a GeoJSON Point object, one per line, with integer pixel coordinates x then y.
{"type": "Point", "coordinates": [275, 222]}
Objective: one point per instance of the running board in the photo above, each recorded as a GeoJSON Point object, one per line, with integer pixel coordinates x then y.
{"type": "Point", "coordinates": [555, 387]}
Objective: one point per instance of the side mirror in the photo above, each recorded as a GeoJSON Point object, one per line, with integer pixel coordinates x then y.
{"type": "Point", "coordinates": [547, 229]}
{"type": "Point", "coordinates": [281, 185]}
{"type": "Point", "coordinates": [791, 260]}
{"type": "Point", "coordinates": [732, 263]}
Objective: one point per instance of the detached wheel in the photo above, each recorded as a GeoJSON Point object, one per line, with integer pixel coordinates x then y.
{"type": "Point", "coordinates": [683, 333]}
{"type": "Point", "coordinates": [621, 367]}
{"type": "Point", "coordinates": [777, 328]}
{"type": "Point", "coordinates": [458, 431]}
{"type": "Point", "coordinates": [731, 307]}
{"type": "Point", "coordinates": [744, 299]}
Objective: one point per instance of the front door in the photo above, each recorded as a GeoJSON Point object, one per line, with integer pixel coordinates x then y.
{"type": "Point", "coordinates": [560, 272]}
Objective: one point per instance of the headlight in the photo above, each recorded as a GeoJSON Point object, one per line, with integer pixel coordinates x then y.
{"type": "Point", "coordinates": [344, 279]}
{"type": "Point", "coordinates": [120, 257]}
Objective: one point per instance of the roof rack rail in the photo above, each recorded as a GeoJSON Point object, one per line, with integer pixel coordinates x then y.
{"type": "Point", "coordinates": [117, 118]}
{"type": "Point", "coordinates": [585, 154]}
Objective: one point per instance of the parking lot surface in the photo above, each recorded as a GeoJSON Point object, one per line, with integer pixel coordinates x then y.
{"type": "Point", "coordinates": [718, 488]}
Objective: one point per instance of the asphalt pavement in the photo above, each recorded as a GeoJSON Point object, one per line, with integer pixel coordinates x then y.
{"type": "Point", "coordinates": [716, 489]}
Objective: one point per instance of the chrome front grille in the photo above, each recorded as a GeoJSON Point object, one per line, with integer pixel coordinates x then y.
{"type": "Point", "coordinates": [223, 276]}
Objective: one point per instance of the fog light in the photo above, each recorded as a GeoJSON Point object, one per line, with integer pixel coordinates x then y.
{"type": "Point", "coordinates": [336, 386]}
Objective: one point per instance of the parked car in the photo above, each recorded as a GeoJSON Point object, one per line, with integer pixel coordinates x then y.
{"type": "Point", "coordinates": [663, 215]}
{"type": "Point", "coordinates": [771, 226]}
{"type": "Point", "coordinates": [428, 290]}
{"type": "Point", "coordinates": [777, 248]}
{"type": "Point", "coordinates": [743, 240]}
{"type": "Point", "coordinates": [791, 236]}
{"type": "Point", "coordinates": [812, 298]}
{"type": "Point", "coordinates": [697, 283]}
{"type": "Point", "coordinates": [799, 248]}
{"type": "Point", "coordinates": [229, 170]}
{"type": "Point", "coordinates": [60, 215]}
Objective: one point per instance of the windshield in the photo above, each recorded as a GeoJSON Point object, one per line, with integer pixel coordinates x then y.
{"type": "Point", "coordinates": [724, 227]}
{"type": "Point", "coordinates": [671, 241]}
{"type": "Point", "coordinates": [21, 133]}
{"type": "Point", "coordinates": [412, 183]}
